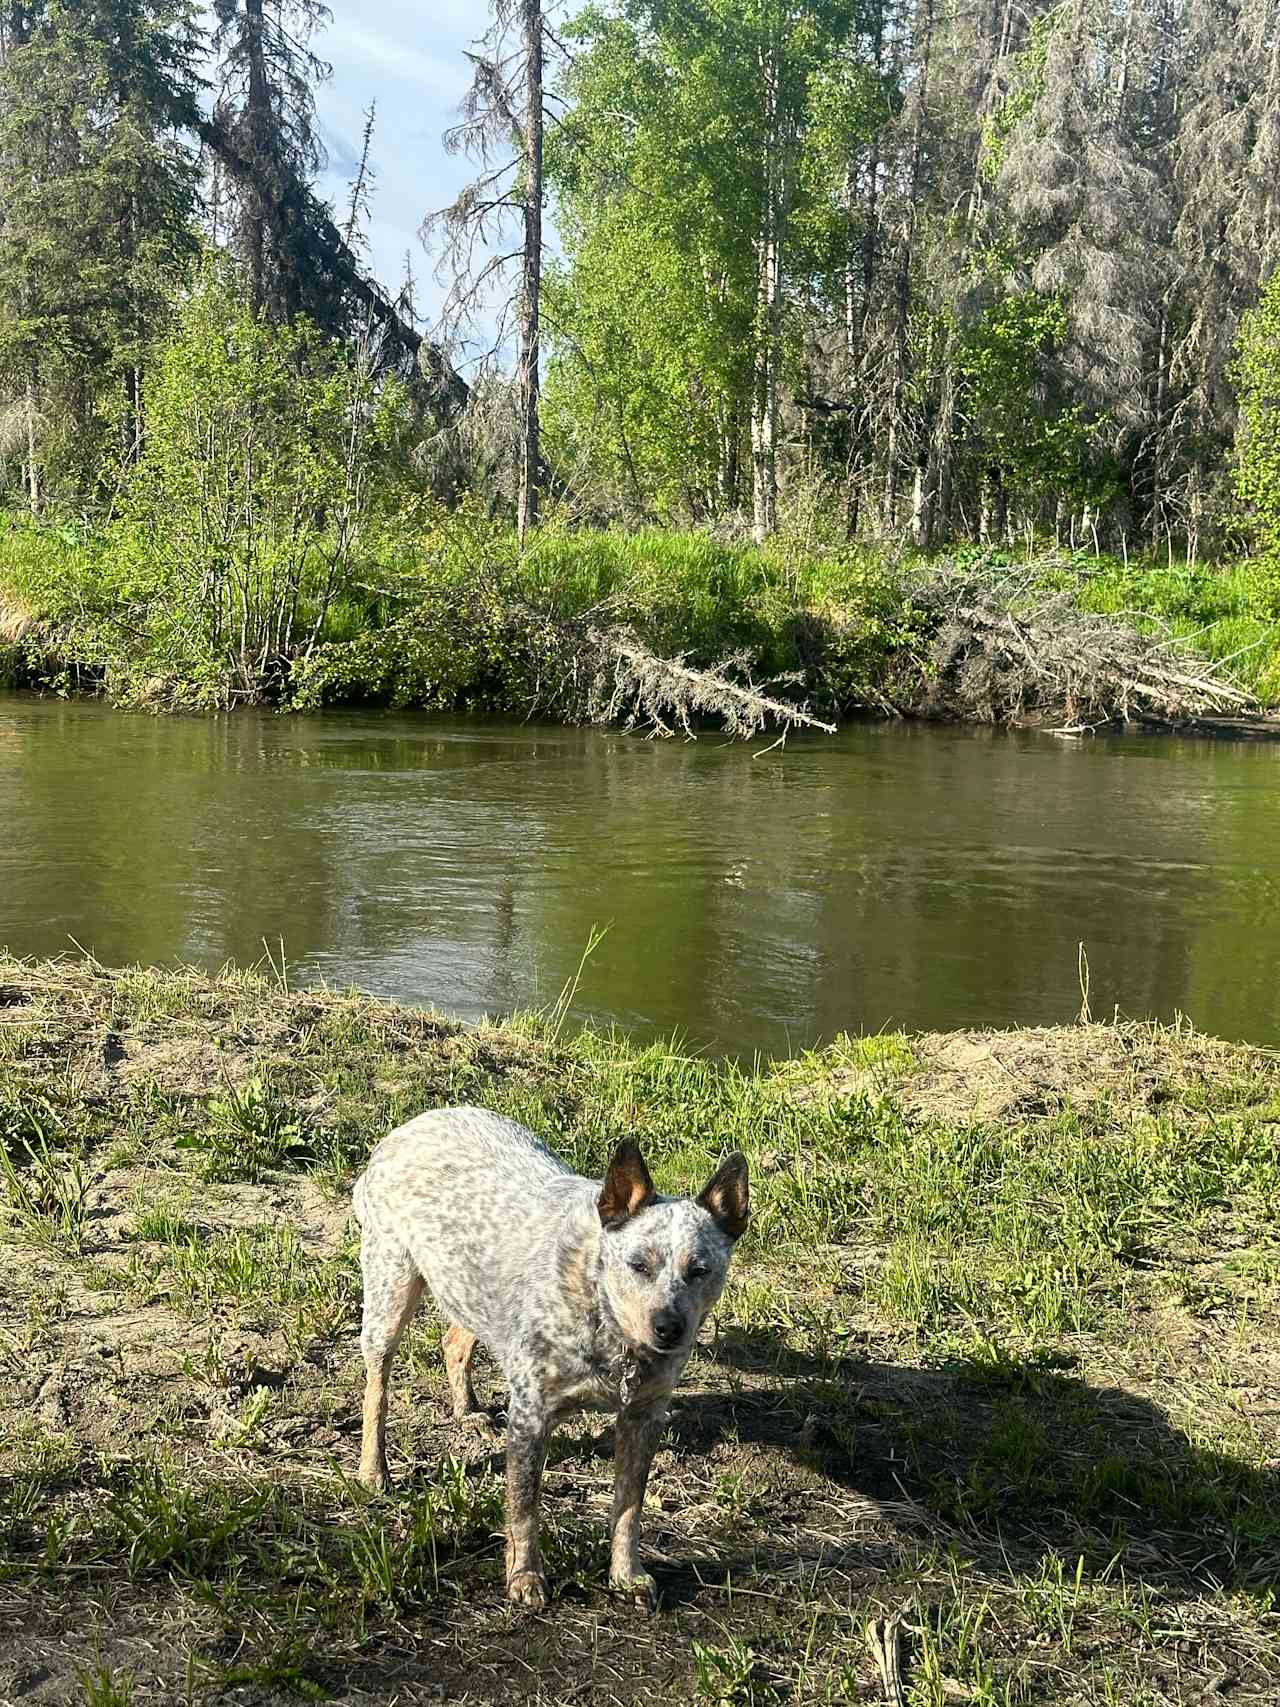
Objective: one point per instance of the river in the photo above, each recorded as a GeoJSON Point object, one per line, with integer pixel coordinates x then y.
{"type": "Point", "coordinates": [891, 876]}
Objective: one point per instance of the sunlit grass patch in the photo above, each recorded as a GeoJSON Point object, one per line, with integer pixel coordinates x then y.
{"type": "Point", "coordinates": [267, 1263]}
{"type": "Point", "coordinates": [44, 1181]}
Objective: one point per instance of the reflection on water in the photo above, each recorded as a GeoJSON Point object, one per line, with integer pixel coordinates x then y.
{"type": "Point", "coordinates": [889, 876]}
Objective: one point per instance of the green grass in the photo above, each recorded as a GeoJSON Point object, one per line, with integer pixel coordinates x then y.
{"type": "Point", "coordinates": [1229, 613]}
{"type": "Point", "coordinates": [1003, 1378]}
{"type": "Point", "coordinates": [444, 624]}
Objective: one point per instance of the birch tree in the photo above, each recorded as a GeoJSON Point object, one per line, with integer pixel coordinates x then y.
{"type": "Point", "coordinates": [693, 129]}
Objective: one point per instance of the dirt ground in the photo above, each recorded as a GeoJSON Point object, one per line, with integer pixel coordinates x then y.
{"type": "Point", "coordinates": [1085, 1515]}
{"type": "Point", "coordinates": [1037, 1071]}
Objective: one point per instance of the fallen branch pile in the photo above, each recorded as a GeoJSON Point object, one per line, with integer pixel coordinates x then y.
{"type": "Point", "coordinates": [999, 655]}
{"type": "Point", "coordinates": [633, 685]}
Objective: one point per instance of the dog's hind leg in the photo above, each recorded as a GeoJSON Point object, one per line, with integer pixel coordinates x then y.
{"type": "Point", "coordinates": [392, 1288]}
{"type": "Point", "coordinates": [459, 1354]}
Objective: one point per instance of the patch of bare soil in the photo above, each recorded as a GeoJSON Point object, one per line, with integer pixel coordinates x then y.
{"type": "Point", "coordinates": [1131, 1069]}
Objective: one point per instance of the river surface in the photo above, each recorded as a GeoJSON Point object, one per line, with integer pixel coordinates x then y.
{"type": "Point", "coordinates": [890, 876]}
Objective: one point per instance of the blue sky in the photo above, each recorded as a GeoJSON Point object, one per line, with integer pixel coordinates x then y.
{"type": "Point", "coordinates": [410, 58]}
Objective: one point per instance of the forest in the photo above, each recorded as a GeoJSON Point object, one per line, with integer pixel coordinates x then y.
{"type": "Point", "coordinates": [785, 349]}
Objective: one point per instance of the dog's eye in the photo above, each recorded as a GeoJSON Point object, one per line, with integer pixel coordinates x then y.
{"type": "Point", "coordinates": [638, 1266]}
{"type": "Point", "coordinates": [696, 1271]}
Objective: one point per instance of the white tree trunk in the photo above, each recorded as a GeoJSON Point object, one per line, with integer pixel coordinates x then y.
{"type": "Point", "coordinates": [530, 449]}
{"type": "Point", "coordinates": [768, 327]}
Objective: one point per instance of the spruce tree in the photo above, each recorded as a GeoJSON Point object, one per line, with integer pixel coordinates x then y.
{"type": "Point", "coordinates": [98, 200]}
{"type": "Point", "coordinates": [265, 109]}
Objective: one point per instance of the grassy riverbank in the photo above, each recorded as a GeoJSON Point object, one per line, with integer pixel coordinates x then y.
{"type": "Point", "coordinates": [1000, 1355]}
{"type": "Point", "coordinates": [450, 615]}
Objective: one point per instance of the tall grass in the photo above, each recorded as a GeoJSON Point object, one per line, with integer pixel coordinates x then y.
{"type": "Point", "coordinates": [428, 620]}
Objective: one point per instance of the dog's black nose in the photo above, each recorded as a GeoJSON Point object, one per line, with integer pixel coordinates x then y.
{"type": "Point", "coordinates": [668, 1327]}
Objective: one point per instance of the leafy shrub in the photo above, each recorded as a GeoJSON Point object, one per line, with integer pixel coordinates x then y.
{"type": "Point", "coordinates": [271, 468]}
{"type": "Point", "coordinates": [250, 1132]}
{"type": "Point", "coordinates": [481, 624]}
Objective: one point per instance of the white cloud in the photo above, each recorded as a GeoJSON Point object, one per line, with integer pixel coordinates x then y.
{"type": "Point", "coordinates": [416, 70]}
{"type": "Point", "coordinates": [355, 48]}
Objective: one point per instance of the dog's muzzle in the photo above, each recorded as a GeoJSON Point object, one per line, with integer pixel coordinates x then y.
{"type": "Point", "coordinates": [668, 1329]}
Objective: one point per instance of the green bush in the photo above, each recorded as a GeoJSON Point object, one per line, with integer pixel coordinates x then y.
{"type": "Point", "coordinates": [270, 474]}
{"type": "Point", "coordinates": [441, 609]}
{"type": "Point", "coordinates": [478, 623]}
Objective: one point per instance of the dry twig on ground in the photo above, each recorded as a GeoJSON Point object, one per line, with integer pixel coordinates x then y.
{"type": "Point", "coordinates": [884, 1638]}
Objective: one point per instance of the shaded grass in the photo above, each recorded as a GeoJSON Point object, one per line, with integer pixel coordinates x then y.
{"type": "Point", "coordinates": [1012, 1378]}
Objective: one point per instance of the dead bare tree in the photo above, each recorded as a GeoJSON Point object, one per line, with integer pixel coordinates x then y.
{"type": "Point", "coordinates": [632, 684]}
{"type": "Point", "coordinates": [502, 130]}
{"type": "Point", "coordinates": [531, 263]}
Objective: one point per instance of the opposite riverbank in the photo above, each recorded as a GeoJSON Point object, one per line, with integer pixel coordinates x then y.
{"type": "Point", "coordinates": [999, 1356]}
{"type": "Point", "coordinates": [653, 630]}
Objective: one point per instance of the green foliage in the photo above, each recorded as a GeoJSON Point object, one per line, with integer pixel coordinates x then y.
{"type": "Point", "coordinates": [270, 464]}
{"type": "Point", "coordinates": [660, 173]}
{"type": "Point", "coordinates": [100, 1686]}
{"type": "Point", "coordinates": [250, 1131]}
{"type": "Point", "coordinates": [442, 641]}
{"type": "Point", "coordinates": [45, 1189]}
{"type": "Point", "coordinates": [463, 620]}
{"type": "Point", "coordinates": [1258, 438]}
{"type": "Point", "coordinates": [650, 371]}
{"type": "Point", "coordinates": [1025, 89]}
{"type": "Point", "coordinates": [1037, 440]}
{"type": "Point", "coordinates": [99, 198]}
{"type": "Point", "coordinates": [1232, 613]}
{"type": "Point", "coordinates": [727, 1676]}
{"type": "Point", "coordinates": [483, 626]}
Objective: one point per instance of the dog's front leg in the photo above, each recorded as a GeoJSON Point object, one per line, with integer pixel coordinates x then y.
{"type": "Point", "coordinates": [635, 1442]}
{"type": "Point", "coordinates": [528, 1430]}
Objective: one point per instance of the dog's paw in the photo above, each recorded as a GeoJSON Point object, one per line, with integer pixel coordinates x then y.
{"type": "Point", "coordinates": [479, 1423]}
{"type": "Point", "coordinates": [639, 1587]}
{"type": "Point", "coordinates": [528, 1588]}
{"type": "Point", "coordinates": [374, 1477]}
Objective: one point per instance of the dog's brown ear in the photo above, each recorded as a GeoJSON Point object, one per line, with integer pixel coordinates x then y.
{"type": "Point", "coordinates": [627, 1187]}
{"type": "Point", "coordinates": [727, 1195]}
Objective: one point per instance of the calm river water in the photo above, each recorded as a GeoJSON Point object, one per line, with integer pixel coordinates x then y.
{"type": "Point", "coordinates": [912, 876]}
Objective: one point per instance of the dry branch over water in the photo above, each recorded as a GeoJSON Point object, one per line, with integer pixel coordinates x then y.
{"type": "Point", "coordinates": [997, 1372]}
{"type": "Point", "coordinates": [1003, 654]}
{"type": "Point", "coordinates": [633, 686]}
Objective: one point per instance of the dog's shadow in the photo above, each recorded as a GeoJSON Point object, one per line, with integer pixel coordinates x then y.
{"type": "Point", "coordinates": [1019, 1463]}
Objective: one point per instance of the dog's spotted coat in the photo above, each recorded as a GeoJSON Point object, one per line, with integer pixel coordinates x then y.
{"type": "Point", "coordinates": [587, 1293]}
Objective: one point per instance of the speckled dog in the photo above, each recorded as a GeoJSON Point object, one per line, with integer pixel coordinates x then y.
{"type": "Point", "coordinates": [588, 1293]}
